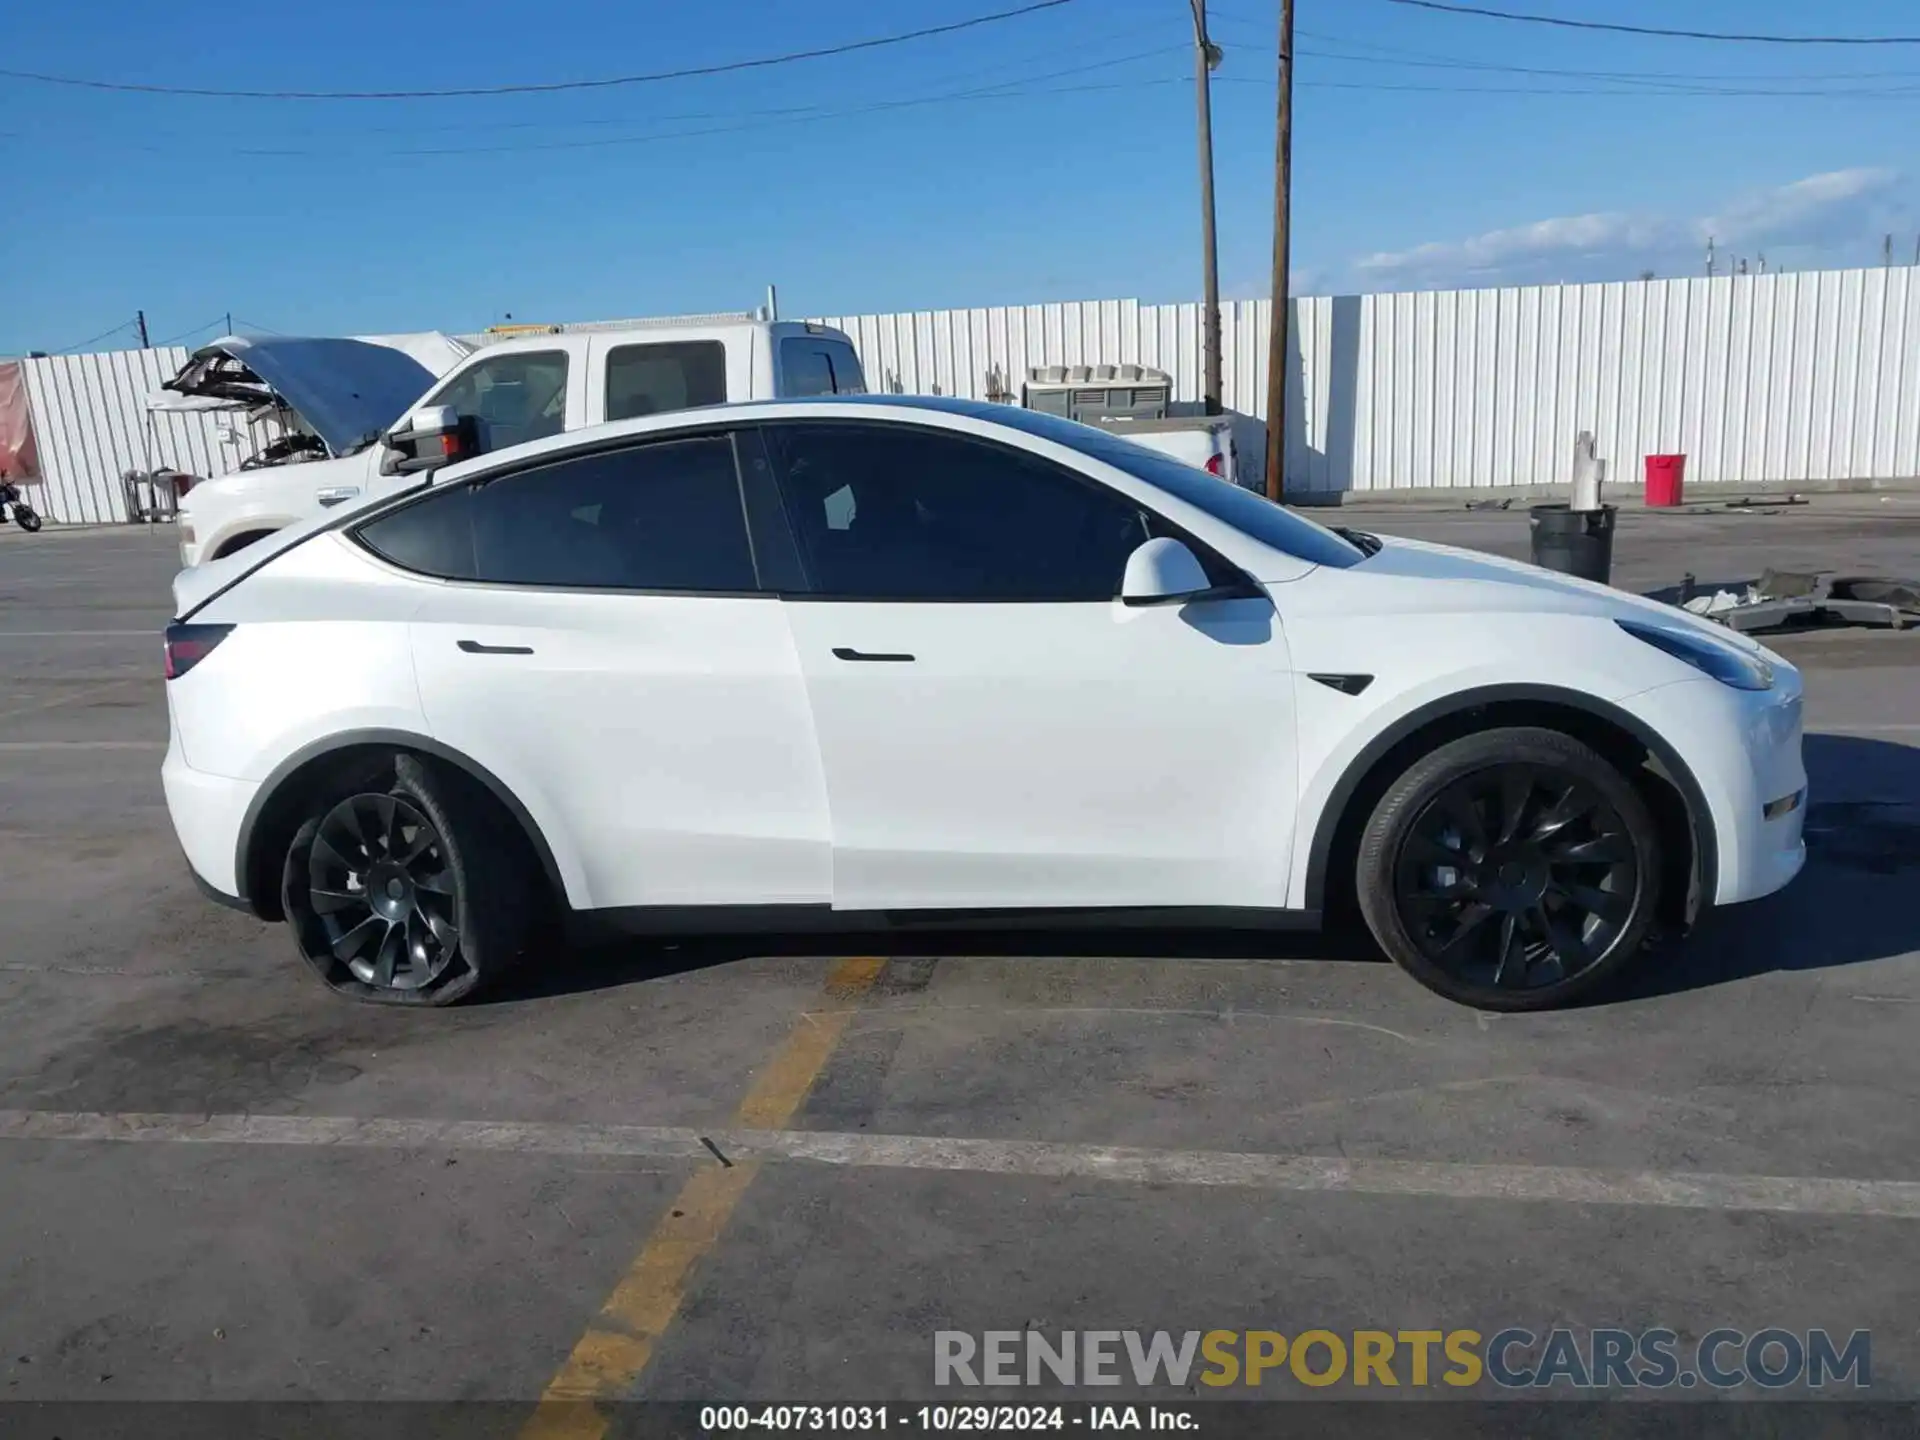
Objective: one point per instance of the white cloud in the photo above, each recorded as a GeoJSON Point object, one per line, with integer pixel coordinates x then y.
{"type": "Point", "coordinates": [1497, 250]}
{"type": "Point", "coordinates": [1810, 210]}
{"type": "Point", "coordinates": [1820, 218]}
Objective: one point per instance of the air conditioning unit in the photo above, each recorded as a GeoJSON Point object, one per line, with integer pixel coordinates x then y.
{"type": "Point", "coordinates": [1092, 393]}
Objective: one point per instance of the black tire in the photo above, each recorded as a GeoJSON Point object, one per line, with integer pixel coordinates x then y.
{"type": "Point", "coordinates": [435, 904]}
{"type": "Point", "coordinates": [25, 518]}
{"type": "Point", "coordinates": [1511, 870]}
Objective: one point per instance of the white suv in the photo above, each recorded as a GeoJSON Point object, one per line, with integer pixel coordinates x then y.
{"type": "Point", "coordinates": [845, 663]}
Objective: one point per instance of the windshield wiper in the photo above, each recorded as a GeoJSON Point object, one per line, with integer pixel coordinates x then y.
{"type": "Point", "coordinates": [1360, 540]}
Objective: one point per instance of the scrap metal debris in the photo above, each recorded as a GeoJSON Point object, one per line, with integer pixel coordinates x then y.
{"type": "Point", "coordinates": [1785, 598]}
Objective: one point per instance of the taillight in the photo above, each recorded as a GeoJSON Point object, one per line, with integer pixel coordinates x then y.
{"type": "Point", "coordinates": [1217, 464]}
{"type": "Point", "coordinates": [188, 645]}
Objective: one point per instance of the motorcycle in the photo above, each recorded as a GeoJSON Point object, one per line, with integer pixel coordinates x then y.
{"type": "Point", "coordinates": [11, 503]}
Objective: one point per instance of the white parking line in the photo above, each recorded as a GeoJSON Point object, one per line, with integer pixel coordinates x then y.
{"type": "Point", "coordinates": [1781, 1194]}
{"type": "Point", "coordinates": [9, 746]}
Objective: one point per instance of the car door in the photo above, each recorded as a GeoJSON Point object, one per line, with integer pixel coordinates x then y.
{"type": "Point", "coordinates": [996, 727]}
{"type": "Point", "coordinates": [602, 643]}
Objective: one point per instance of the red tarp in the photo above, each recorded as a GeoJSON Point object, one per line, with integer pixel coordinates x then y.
{"type": "Point", "coordinates": [18, 459]}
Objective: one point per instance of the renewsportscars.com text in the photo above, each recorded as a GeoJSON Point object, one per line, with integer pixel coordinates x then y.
{"type": "Point", "coordinates": [1513, 1358]}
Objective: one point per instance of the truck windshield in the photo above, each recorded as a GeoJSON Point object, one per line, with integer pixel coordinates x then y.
{"type": "Point", "coordinates": [1251, 514]}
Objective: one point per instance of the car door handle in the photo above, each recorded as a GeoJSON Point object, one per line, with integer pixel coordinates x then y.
{"type": "Point", "coordinates": [843, 652]}
{"type": "Point", "coordinates": [474, 647]}
{"type": "Point", "coordinates": [334, 495]}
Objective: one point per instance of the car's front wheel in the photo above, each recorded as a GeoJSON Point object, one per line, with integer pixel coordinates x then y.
{"type": "Point", "coordinates": [1515, 869]}
{"type": "Point", "coordinates": [406, 890]}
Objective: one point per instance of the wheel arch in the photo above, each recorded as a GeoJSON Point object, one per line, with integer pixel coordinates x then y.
{"type": "Point", "coordinates": [274, 814]}
{"type": "Point", "coordinates": [1681, 810]}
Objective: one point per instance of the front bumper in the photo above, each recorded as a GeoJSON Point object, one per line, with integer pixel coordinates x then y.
{"type": "Point", "coordinates": [1743, 751]}
{"type": "Point", "coordinates": [207, 812]}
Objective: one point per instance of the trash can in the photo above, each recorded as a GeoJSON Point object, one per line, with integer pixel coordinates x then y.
{"type": "Point", "coordinates": [1574, 542]}
{"type": "Point", "coordinates": [1666, 478]}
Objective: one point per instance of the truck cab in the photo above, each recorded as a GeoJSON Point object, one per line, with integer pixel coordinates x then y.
{"type": "Point", "coordinates": [533, 386]}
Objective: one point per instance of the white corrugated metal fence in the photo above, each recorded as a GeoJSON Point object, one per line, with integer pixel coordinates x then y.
{"type": "Point", "coordinates": [1793, 378]}
{"type": "Point", "coordinates": [1807, 379]}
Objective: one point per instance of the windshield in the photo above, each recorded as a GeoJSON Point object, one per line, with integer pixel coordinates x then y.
{"type": "Point", "coordinates": [1245, 511]}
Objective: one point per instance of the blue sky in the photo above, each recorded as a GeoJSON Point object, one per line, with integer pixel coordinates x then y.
{"type": "Point", "coordinates": [1072, 179]}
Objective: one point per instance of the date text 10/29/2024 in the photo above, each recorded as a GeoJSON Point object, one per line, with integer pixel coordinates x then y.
{"type": "Point", "coordinates": [989, 1419]}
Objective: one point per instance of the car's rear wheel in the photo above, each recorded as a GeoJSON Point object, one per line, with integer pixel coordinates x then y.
{"type": "Point", "coordinates": [407, 892]}
{"type": "Point", "coordinates": [1511, 870]}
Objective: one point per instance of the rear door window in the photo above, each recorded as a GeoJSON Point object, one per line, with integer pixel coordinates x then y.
{"type": "Point", "coordinates": [674, 375]}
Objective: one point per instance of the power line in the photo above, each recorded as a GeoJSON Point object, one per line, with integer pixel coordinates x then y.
{"type": "Point", "coordinates": [176, 339]}
{"type": "Point", "coordinates": [551, 86]}
{"type": "Point", "coordinates": [1620, 29]}
{"type": "Point", "coordinates": [1026, 87]}
{"type": "Point", "coordinates": [1428, 60]}
{"type": "Point", "coordinates": [1004, 90]}
{"type": "Point", "coordinates": [778, 113]}
{"type": "Point", "coordinates": [96, 339]}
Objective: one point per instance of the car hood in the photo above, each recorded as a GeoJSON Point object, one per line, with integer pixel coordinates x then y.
{"type": "Point", "coordinates": [1422, 576]}
{"type": "Point", "coordinates": [346, 391]}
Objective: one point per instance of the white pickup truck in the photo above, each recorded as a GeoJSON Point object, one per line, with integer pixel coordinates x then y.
{"type": "Point", "coordinates": [513, 390]}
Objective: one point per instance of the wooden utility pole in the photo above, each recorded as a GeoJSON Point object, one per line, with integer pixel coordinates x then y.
{"type": "Point", "coordinates": [140, 319]}
{"type": "Point", "coordinates": [1204, 59]}
{"type": "Point", "coordinates": [1282, 304]}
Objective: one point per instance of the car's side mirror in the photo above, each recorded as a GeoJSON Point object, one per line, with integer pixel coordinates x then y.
{"type": "Point", "coordinates": [1163, 572]}
{"type": "Point", "coordinates": [434, 435]}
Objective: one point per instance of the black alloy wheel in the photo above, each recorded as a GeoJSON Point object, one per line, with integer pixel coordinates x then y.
{"type": "Point", "coordinates": [1516, 877]}
{"type": "Point", "coordinates": [409, 888]}
{"type": "Point", "coordinates": [378, 881]}
{"type": "Point", "coordinates": [1511, 870]}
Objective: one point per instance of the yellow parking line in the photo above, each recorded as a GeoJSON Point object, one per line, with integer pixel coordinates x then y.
{"type": "Point", "coordinates": [620, 1341]}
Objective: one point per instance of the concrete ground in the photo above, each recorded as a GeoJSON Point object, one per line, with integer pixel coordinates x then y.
{"type": "Point", "coordinates": [327, 1201]}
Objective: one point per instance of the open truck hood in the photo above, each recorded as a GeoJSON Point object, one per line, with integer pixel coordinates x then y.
{"type": "Point", "coordinates": [346, 391]}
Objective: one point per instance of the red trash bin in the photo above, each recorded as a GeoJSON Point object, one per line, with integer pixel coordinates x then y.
{"type": "Point", "coordinates": [1666, 478]}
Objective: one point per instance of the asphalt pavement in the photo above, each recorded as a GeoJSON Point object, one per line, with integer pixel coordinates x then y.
{"type": "Point", "coordinates": [764, 1171]}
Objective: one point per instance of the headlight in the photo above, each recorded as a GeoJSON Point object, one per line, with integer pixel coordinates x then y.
{"type": "Point", "coordinates": [1726, 663]}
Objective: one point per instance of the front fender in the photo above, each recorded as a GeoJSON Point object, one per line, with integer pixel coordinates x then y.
{"type": "Point", "coordinates": [1328, 792]}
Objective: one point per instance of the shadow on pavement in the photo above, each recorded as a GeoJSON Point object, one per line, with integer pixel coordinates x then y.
{"type": "Point", "coordinates": [604, 966]}
{"type": "Point", "coordinates": [1854, 901]}
{"type": "Point", "coordinates": [1848, 906]}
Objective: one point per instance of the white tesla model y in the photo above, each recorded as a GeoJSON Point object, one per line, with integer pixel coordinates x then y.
{"type": "Point", "coordinates": [891, 661]}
